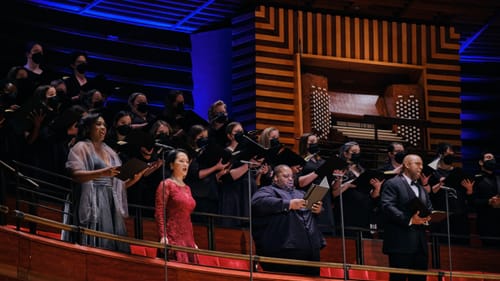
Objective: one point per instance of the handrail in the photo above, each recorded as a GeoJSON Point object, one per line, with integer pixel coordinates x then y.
{"type": "Point", "coordinates": [47, 222]}
{"type": "Point", "coordinates": [4, 209]}
{"type": "Point", "coordinates": [256, 258]}
{"type": "Point", "coordinates": [21, 164]}
{"type": "Point", "coordinates": [45, 207]}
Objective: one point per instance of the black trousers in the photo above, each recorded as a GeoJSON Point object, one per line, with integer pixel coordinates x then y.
{"type": "Point", "coordinates": [310, 254]}
{"type": "Point", "coordinates": [417, 261]}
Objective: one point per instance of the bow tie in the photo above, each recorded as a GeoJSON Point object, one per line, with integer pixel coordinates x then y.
{"type": "Point", "coordinates": [414, 183]}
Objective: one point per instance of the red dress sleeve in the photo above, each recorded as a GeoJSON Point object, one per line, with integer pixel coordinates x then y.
{"type": "Point", "coordinates": [161, 199]}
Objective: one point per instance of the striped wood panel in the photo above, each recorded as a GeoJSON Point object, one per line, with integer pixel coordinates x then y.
{"type": "Point", "coordinates": [281, 33]}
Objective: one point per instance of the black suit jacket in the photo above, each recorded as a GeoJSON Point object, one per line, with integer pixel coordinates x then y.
{"type": "Point", "coordinates": [399, 236]}
{"type": "Point", "coordinates": [276, 228]}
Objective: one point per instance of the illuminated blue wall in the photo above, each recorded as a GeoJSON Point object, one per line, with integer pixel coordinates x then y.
{"type": "Point", "coordinates": [211, 60]}
{"type": "Point", "coordinates": [480, 111]}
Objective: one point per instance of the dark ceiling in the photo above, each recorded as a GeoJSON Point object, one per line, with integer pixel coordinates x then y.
{"type": "Point", "coordinates": [477, 20]}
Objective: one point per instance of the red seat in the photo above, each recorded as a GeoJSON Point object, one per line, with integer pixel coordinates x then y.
{"type": "Point", "coordinates": [358, 274]}
{"type": "Point", "coordinates": [143, 251]}
{"type": "Point", "coordinates": [331, 272]}
{"type": "Point", "coordinates": [49, 234]}
{"type": "Point", "coordinates": [151, 252]}
{"type": "Point", "coordinates": [208, 260]}
{"type": "Point", "coordinates": [234, 263]}
{"type": "Point", "coordinates": [379, 275]}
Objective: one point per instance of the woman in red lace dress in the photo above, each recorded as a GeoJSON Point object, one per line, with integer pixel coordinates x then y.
{"type": "Point", "coordinates": [174, 205]}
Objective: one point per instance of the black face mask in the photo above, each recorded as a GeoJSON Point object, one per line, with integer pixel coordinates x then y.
{"type": "Point", "coordinates": [274, 142]}
{"type": "Point", "coordinates": [221, 118]}
{"type": "Point", "coordinates": [163, 138]}
{"type": "Point", "coordinates": [202, 142]}
{"type": "Point", "coordinates": [490, 165]}
{"type": "Point", "coordinates": [98, 104]}
{"type": "Point", "coordinates": [60, 93]}
{"type": "Point", "coordinates": [448, 159]}
{"type": "Point", "coordinates": [355, 158]}
{"type": "Point", "coordinates": [82, 68]}
{"type": "Point", "coordinates": [180, 107]}
{"type": "Point", "coordinates": [313, 148]}
{"type": "Point", "coordinates": [37, 58]}
{"type": "Point", "coordinates": [239, 137]}
{"type": "Point", "coordinates": [142, 107]}
{"type": "Point", "coordinates": [52, 102]}
{"type": "Point", "coordinates": [124, 129]}
{"type": "Point", "coordinates": [399, 157]}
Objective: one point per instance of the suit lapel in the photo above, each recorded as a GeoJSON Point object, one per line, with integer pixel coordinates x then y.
{"type": "Point", "coordinates": [408, 189]}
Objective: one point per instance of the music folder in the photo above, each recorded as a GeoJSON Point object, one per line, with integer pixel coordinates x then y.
{"type": "Point", "coordinates": [286, 156]}
{"type": "Point", "coordinates": [213, 153]}
{"type": "Point", "coordinates": [247, 149]}
{"type": "Point", "coordinates": [456, 176]}
{"type": "Point", "coordinates": [331, 164]}
{"type": "Point", "coordinates": [430, 168]}
{"type": "Point", "coordinates": [363, 180]}
{"type": "Point", "coordinates": [316, 192]}
{"type": "Point", "coordinates": [417, 205]}
{"type": "Point", "coordinates": [130, 168]}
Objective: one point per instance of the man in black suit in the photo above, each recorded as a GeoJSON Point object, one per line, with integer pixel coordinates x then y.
{"type": "Point", "coordinates": [283, 227]}
{"type": "Point", "coordinates": [404, 238]}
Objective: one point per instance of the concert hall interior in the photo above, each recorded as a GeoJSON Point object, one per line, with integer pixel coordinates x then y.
{"type": "Point", "coordinates": [419, 73]}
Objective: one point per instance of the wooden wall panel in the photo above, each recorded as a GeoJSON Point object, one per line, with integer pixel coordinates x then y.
{"type": "Point", "coordinates": [280, 33]}
{"type": "Point", "coordinates": [275, 75]}
{"type": "Point", "coordinates": [10, 266]}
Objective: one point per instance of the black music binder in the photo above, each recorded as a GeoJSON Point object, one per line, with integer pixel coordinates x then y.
{"type": "Point", "coordinates": [286, 156]}
{"type": "Point", "coordinates": [247, 149]}
{"type": "Point", "coordinates": [331, 164]}
{"type": "Point", "coordinates": [417, 205]}
{"type": "Point", "coordinates": [213, 153]}
{"type": "Point", "coordinates": [363, 180]}
{"type": "Point", "coordinates": [131, 168]}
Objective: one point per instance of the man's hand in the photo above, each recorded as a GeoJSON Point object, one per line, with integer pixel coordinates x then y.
{"type": "Point", "coordinates": [317, 207]}
{"type": "Point", "coordinates": [297, 204]}
{"type": "Point", "coordinates": [417, 220]}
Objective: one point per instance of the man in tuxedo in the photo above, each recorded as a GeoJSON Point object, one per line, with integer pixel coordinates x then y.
{"type": "Point", "coordinates": [404, 238]}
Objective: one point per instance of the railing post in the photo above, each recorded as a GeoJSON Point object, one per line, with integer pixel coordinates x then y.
{"type": "Point", "coordinates": [75, 203]}
{"type": "Point", "coordinates": [359, 247]}
{"type": "Point", "coordinates": [211, 233]}
{"type": "Point", "coordinates": [436, 256]}
{"type": "Point", "coordinates": [138, 223]}
{"type": "Point", "coordinates": [3, 196]}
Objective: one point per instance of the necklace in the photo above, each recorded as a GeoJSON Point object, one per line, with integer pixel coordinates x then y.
{"type": "Point", "coordinates": [179, 182]}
